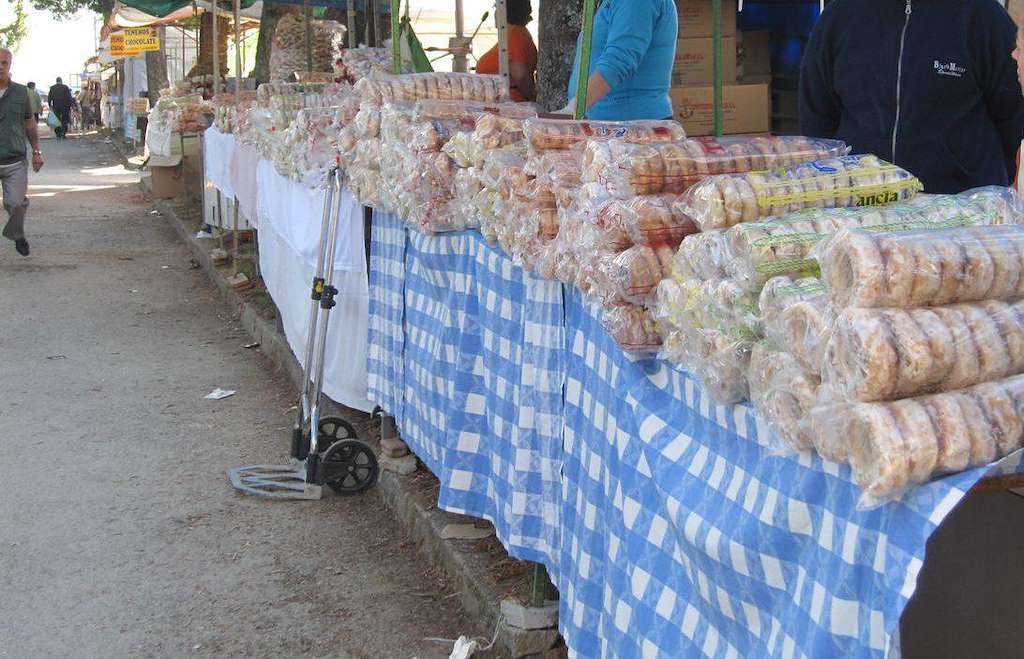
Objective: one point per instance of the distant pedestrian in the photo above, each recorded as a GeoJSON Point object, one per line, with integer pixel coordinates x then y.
{"type": "Point", "coordinates": [17, 131]}
{"type": "Point", "coordinates": [61, 101]}
{"type": "Point", "coordinates": [34, 101]}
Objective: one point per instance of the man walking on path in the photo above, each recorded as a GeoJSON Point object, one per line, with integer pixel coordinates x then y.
{"type": "Point", "coordinates": [34, 101]}
{"type": "Point", "coordinates": [17, 129]}
{"type": "Point", "coordinates": [60, 102]}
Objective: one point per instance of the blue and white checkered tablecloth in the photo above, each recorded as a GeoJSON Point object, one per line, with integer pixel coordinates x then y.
{"type": "Point", "coordinates": [668, 524]}
{"type": "Point", "coordinates": [466, 352]}
{"type": "Point", "coordinates": [386, 335]}
{"type": "Point", "coordinates": [683, 535]}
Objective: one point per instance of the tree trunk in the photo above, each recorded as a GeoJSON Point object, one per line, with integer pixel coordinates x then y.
{"type": "Point", "coordinates": [156, 70]}
{"type": "Point", "coordinates": [204, 65]}
{"type": "Point", "coordinates": [560, 23]}
{"type": "Point", "coordinates": [269, 17]}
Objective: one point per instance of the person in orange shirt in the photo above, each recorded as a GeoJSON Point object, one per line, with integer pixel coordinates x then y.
{"type": "Point", "coordinates": [522, 53]}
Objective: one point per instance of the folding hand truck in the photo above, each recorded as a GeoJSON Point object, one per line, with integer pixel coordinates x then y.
{"type": "Point", "coordinates": [325, 451]}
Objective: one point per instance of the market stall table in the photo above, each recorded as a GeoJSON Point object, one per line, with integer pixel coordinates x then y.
{"type": "Point", "coordinates": [218, 152]}
{"type": "Point", "coordinates": [245, 159]}
{"type": "Point", "coordinates": [463, 351]}
{"type": "Point", "coordinates": [676, 530]}
{"type": "Point", "coordinates": [290, 217]}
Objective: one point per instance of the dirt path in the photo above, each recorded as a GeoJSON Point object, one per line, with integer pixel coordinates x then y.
{"type": "Point", "coordinates": [119, 534]}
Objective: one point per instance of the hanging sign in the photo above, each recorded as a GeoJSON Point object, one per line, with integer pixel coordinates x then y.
{"type": "Point", "coordinates": [133, 40]}
{"type": "Point", "coordinates": [142, 39]}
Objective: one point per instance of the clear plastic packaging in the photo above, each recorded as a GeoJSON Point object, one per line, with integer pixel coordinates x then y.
{"type": "Point", "coordinates": [725, 200]}
{"type": "Point", "coordinates": [631, 169]}
{"type": "Point", "coordinates": [761, 250]}
{"type": "Point", "coordinates": [411, 87]}
{"type": "Point", "coordinates": [632, 328]}
{"type": "Point", "coordinates": [648, 220]}
{"type": "Point", "coordinates": [703, 255]}
{"type": "Point", "coordinates": [886, 354]}
{"type": "Point", "coordinates": [296, 44]}
{"type": "Point", "coordinates": [358, 63]}
{"type": "Point", "coordinates": [783, 394]}
{"type": "Point", "coordinates": [633, 274]}
{"type": "Point", "coordinates": [796, 314]}
{"type": "Point", "coordinates": [560, 134]}
{"type": "Point", "coordinates": [923, 268]}
{"type": "Point", "coordinates": [720, 361]}
{"type": "Point", "coordinates": [893, 447]}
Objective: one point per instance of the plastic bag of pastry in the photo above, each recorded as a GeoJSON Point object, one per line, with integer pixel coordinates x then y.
{"type": "Point", "coordinates": [440, 85]}
{"type": "Point", "coordinates": [777, 246]}
{"type": "Point", "coordinates": [499, 131]}
{"type": "Point", "coordinates": [558, 169]}
{"type": "Point", "coordinates": [728, 308]}
{"type": "Point", "coordinates": [648, 220]}
{"type": "Point", "coordinates": [893, 447]}
{"type": "Point", "coordinates": [633, 274]}
{"type": "Point", "coordinates": [463, 149]}
{"type": "Point", "coordinates": [724, 200]}
{"type": "Point", "coordinates": [886, 354]}
{"type": "Point", "coordinates": [721, 362]}
{"type": "Point", "coordinates": [627, 170]}
{"type": "Point", "coordinates": [783, 394]}
{"type": "Point", "coordinates": [923, 268]}
{"type": "Point", "coordinates": [562, 134]}
{"type": "Point", "coordinates": [797, 314]}
{"type": "Point", "coordinates": [632, 328]}
{"type": "Point", "coordinates": [703, 256]}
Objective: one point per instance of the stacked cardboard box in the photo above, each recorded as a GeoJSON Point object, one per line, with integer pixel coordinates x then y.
{"type": "Point", "coordinates": [745, 104]}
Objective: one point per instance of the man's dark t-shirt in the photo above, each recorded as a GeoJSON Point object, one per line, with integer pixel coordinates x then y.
{"type": "Point", "coordinates": [60, 97]}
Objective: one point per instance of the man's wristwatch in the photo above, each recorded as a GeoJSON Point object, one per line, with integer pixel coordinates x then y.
{"type": "Point", "coordinates": [37, 152]}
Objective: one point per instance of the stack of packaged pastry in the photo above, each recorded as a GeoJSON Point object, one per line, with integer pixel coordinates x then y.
{"type": "Point", "coordinates": [307, 151]}
{"type": "Point", "coordinates": [794, 313]}
{"type": "Point", "coordinates": [226, 108]}
{"type": "Point", "coordinates": [422, 175]}
{"type": "Point", "coordinates": [360, 144]}
{"type": "Point", "coordinates": [917, 337]}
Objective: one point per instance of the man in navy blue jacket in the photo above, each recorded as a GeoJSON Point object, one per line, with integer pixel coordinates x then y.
{"type": "Point", "coordinates": [927, 84]}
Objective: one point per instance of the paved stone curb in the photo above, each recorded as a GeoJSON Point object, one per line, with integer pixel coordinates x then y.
{"type": "Point", "coordinates": [465, 568]}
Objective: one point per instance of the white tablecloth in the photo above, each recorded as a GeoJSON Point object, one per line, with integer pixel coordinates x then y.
{"type": "Point", "coordinates": [218, 150]}
{"type": "Point", "coordinates": [290, 216]}
{"type": "Point", "coordinates": [159, 142]}
{"type": "Point", "coordinates": [242, 171]}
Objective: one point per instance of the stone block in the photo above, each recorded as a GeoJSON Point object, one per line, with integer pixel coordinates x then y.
{"type": "Point", "coordinates": [529, 617]}
{"type": "Point", "coordinates": [402, 466]}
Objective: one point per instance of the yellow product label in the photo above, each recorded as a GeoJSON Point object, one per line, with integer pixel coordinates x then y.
{"type": "Point", "coordinates": [774, 193]}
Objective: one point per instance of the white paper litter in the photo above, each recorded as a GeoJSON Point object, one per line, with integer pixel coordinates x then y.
{"type": "Point", "coordinates": [220, 394]}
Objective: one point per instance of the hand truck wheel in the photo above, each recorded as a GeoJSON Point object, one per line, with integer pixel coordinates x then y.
{"type": "Point", "coordinates": [349, 467]}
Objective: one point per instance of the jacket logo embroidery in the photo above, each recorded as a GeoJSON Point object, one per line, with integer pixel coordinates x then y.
{"type": "Point", "coordinates": [952, 69]}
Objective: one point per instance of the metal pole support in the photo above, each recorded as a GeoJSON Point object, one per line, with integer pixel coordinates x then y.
{"type": "Point", "coordinates": [583, 71]}
{"type": "Point", "coordinates": [716, 40]}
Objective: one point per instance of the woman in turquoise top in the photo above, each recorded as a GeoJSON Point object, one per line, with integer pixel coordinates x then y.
{"type": "Point", "coordinates": [632, 53]}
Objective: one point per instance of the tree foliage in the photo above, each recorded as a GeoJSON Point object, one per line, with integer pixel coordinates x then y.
{"type": "Point", "coordinates": [63, 9]}
{"type": "Point", "coordinates": [12, 33]}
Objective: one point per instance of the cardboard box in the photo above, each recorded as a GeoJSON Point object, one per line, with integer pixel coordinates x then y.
{"type": "Point", "coordinates": [755, 54]}
{"type": "Point", "coordinates": [165, 182]}
{"type": "Point", "coordinates": [696, 19]}
{"type": "Point", "coordinates": [746, 109]}
{"type": "Point", "coordinates": [695, 64]}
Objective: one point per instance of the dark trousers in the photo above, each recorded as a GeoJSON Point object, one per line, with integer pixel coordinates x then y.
{"type": "Point", "coordinates": [64, 114]}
